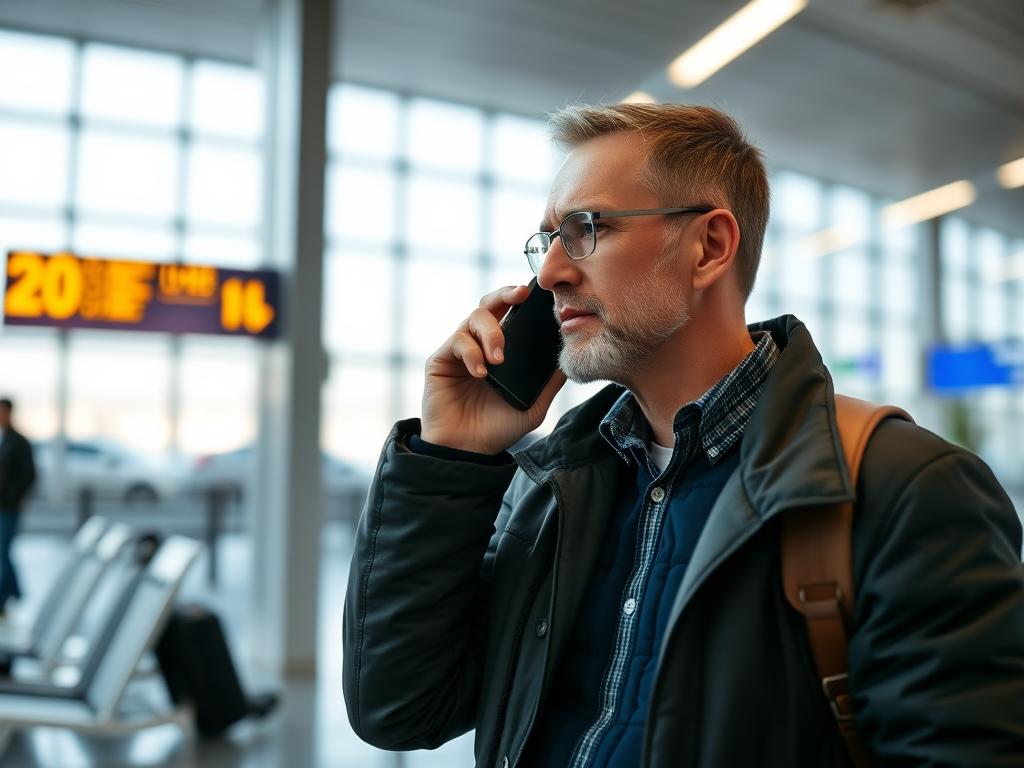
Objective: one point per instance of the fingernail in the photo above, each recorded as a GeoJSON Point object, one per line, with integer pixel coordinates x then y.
{"type": "Point", "coordinates": [498, 354]}
{"type": "Point", "coordinates": [481, 369]}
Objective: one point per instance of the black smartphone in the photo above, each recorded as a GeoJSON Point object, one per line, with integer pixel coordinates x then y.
{"type": "Point", "coordinates": [532, 343]}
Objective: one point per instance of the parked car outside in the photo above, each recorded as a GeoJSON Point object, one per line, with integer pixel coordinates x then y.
{"type": "Point", "coordinates": [108, 470]}
{"type": "Point", "coordinates": [344, 484]}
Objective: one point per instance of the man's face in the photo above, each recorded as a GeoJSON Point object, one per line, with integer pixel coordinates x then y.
{"type": "Point", "coordinates": [5, 417]}
{"type": "Point", "coordinates": [619, 305]}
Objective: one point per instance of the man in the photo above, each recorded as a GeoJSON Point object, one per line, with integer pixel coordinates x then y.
{"type": "Point", "coordinates": [17, 473]}
{"type": "Point", "coordinates": [612, 596]}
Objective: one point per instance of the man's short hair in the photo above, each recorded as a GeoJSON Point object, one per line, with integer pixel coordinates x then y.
{"type": "Point", "coordinates": [696, 155]}
{"type": "Point", "coordinates": [6, 403]}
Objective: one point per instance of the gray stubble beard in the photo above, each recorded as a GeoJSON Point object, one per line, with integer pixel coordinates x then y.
{"type": "Point", "coordinates": [616, 350]}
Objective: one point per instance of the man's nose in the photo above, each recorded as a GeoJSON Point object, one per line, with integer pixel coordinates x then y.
{"type": "Point", "coordinates": [557, 268]}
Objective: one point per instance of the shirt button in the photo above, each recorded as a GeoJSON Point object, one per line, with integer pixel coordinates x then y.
{"type": "Point", "coordinates": [542, 627]}
{"type": "Point", "coordinates": [629, 606]}
{"type": "Point", "coordinates": [657, 495]}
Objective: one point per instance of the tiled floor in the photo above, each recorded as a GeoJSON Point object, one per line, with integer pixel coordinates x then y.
{"type": "Point", "coordinates": [311, 729]}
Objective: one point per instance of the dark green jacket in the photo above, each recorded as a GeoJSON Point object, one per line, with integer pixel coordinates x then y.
{"type": "Point", "coordinates": [466, 580]}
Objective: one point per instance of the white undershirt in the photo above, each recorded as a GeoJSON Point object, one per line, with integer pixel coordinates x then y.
{"type": "Point", "coordinates": [660, 455]}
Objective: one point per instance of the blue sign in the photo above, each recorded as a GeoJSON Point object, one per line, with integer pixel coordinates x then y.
{"type": "Point", "coordinates": [953, 369]}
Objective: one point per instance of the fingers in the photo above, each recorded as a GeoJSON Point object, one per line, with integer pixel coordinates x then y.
{"type": "Point", "coordinates": [479, 341]}
{"type": "Point", "coordinates": [465, 347]}
{"type": "Point", "coordinates": [497, 302]}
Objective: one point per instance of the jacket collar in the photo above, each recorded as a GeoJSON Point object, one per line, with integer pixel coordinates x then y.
{"type": "Point", "coordinates": [790, 454]}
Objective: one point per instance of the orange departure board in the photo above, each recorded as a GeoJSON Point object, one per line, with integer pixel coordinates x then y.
{"type": "Point", "coordinates": [68, 291]}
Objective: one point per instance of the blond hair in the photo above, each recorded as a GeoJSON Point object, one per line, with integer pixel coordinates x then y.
{"type": "Point", "coordinates": [695, 155]}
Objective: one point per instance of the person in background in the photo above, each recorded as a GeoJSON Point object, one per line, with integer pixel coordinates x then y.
{"type": "Point", "coordinates": [17, 474]}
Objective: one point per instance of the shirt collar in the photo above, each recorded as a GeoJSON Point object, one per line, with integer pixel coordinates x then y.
{"type": "Point", "coordinates": [719, 415]}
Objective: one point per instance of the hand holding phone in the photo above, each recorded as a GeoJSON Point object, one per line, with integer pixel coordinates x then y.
{"type": "Point", "coordinates": [459, 409]}
{"type": "Point", "coordinates": [532, 344]}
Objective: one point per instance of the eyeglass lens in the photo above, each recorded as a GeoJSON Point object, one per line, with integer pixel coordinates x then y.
{"type": "Point", "coordinates": [577, 234]}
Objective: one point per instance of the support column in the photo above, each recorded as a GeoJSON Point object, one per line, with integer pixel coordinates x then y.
{"type": "Point", "coordinates": [287, 499]}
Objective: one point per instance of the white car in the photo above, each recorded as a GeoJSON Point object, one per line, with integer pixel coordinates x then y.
{"type": "Point", "coordinates": [344, 484]}
{"type": "Point", "coordinates": [107, 470]}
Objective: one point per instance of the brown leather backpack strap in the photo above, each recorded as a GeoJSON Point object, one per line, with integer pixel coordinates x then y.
{"type": "Point", "coordinates": [817, 569]}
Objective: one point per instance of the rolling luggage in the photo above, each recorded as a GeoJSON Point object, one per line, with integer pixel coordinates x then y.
{"type": "Point", "coordinates": [196, 663]}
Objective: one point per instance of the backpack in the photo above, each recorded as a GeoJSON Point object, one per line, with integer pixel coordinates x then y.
{"type": "Point", "coordinates": [817, 570]}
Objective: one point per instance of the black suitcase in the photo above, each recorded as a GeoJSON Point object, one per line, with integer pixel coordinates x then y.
{"type": "Point", "coordinates": [197, 666]}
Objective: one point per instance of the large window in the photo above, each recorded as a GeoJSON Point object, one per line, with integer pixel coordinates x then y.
{"type": "Point", "coordinates": [428, 207]}
{"type": "Point", "coordinates": [112, 151]}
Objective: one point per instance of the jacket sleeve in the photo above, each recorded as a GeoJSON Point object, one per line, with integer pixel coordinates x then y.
{"type": "Point", "coordinates": [25, 476]}
{"type": "Point", "coordinates": [416, 607]}
{"type": "Point", "coordinates": [937, 653]}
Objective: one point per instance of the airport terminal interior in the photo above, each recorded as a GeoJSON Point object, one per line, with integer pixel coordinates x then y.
{"type": "Point", "coordinates": [323, 191]}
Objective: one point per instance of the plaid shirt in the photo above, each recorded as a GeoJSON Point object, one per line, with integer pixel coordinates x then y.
{"type": "Point", "coordinates": [713, 423]}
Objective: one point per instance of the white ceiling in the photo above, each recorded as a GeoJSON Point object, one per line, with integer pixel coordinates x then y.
{"type": "Point", "coordinates": [892, 101]}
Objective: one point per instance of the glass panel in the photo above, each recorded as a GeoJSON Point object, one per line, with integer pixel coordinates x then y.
{"type": "Point", "coordinates": [955, 309]}
{"type": "Point", "coordinates": [222, 250]}
{"type": "Point", "coordinates": [131, 86]}
{"type": "Point", "coordinates": [851, 279]}
{"type": "Point", "coordinates": [512, 217]}
{"type": "Point", "coordinates": [438, 295]}
{"type": "Point", "coordinates": [900, 242]}
{"type": "Point", "coordinates": [127, 174]}
{"type": "Point", "coordinates": [799, 278]}
{"type": "Point", "coordinates": [901, 361]}
{"type": "Point", "coordinates": [227, 100]}
{"type": "Point", "coordinates": [955, 245]}
{"type": "Point", "coordinates": [850, 211]}
{"type": "Point", "coordinates": [901, 291]}
{"type": "Point", "coordinates": [29, 358]}
{"type": "Point", "coordinates": [993, 319]}
{"type": "Point", "coordinates": [118, 389]}
{"type": "Point", "coordinates": [443, 216]}
{"type": "Point", "coordinates": [797, 202]}
{"type": "Point", "coordinates": [445, 136]}
{"type": "Point", "coordinates": [224, 186]}
{"type": "Point", "coordinates": [413, 377]}
{"type": "Point", "coordinates": [45, 68]}
{"type": "Point", "coordinates": [854, 357]}
{"type": "Point", "coordinates": [359, 306]}
{"type": "Point", "coordinates": [99, 239]}
{"type": "Point", "coordinates": [45, 233]}
{"type": "Point", "coordinates": [357, 412]}
{"type": "Point", "coordinates": [33, 163]}
{"type": "Point", "coordinates": [360, 203]}
{"type": "Point", "coordinates": [522, 151]}
{"type": "Point", "coordinates": [218, 395]}
{"type": "Point", "coordinates": [362, 121]}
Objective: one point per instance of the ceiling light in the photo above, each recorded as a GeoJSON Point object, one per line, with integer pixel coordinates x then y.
{"type": "Point", "coordinates": [639, 97]}
{"type": "Point", "coordinates": [929, 204]}
{"type": "Point", "coordinates": [1012, 174]}
{"type": "Point", "coordinates": [732, 37]}
{"type": "Point", "coordinates": [828, 241]}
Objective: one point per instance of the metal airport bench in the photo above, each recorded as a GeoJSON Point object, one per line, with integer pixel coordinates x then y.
{"type": "Point", "coordinates": [97, 704]}
{"type": "Point", "coordinates": [96, 545]}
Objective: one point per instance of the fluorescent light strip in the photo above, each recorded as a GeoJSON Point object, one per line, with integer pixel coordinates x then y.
{"type": "Point", "coordinates": [1012, 174]}
{"type": "Point", "coordinates": [828, 241]}
{"type": "Point", "coordinates": [743, 29]}
{"type": "Point", "coordinates": [929, 204]}
{"type": "Point", "coordinates": [639, 97]}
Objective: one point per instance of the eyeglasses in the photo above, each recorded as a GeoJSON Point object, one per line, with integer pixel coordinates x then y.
{"type": "Point", "coordinates": [579, 233]}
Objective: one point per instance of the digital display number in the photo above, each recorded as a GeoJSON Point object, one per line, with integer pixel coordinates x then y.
{"type": "Point", "coordinates": [65, 290]}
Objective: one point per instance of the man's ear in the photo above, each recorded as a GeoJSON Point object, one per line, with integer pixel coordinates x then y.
{"type": "Point", "coordinates": [719, 240]}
